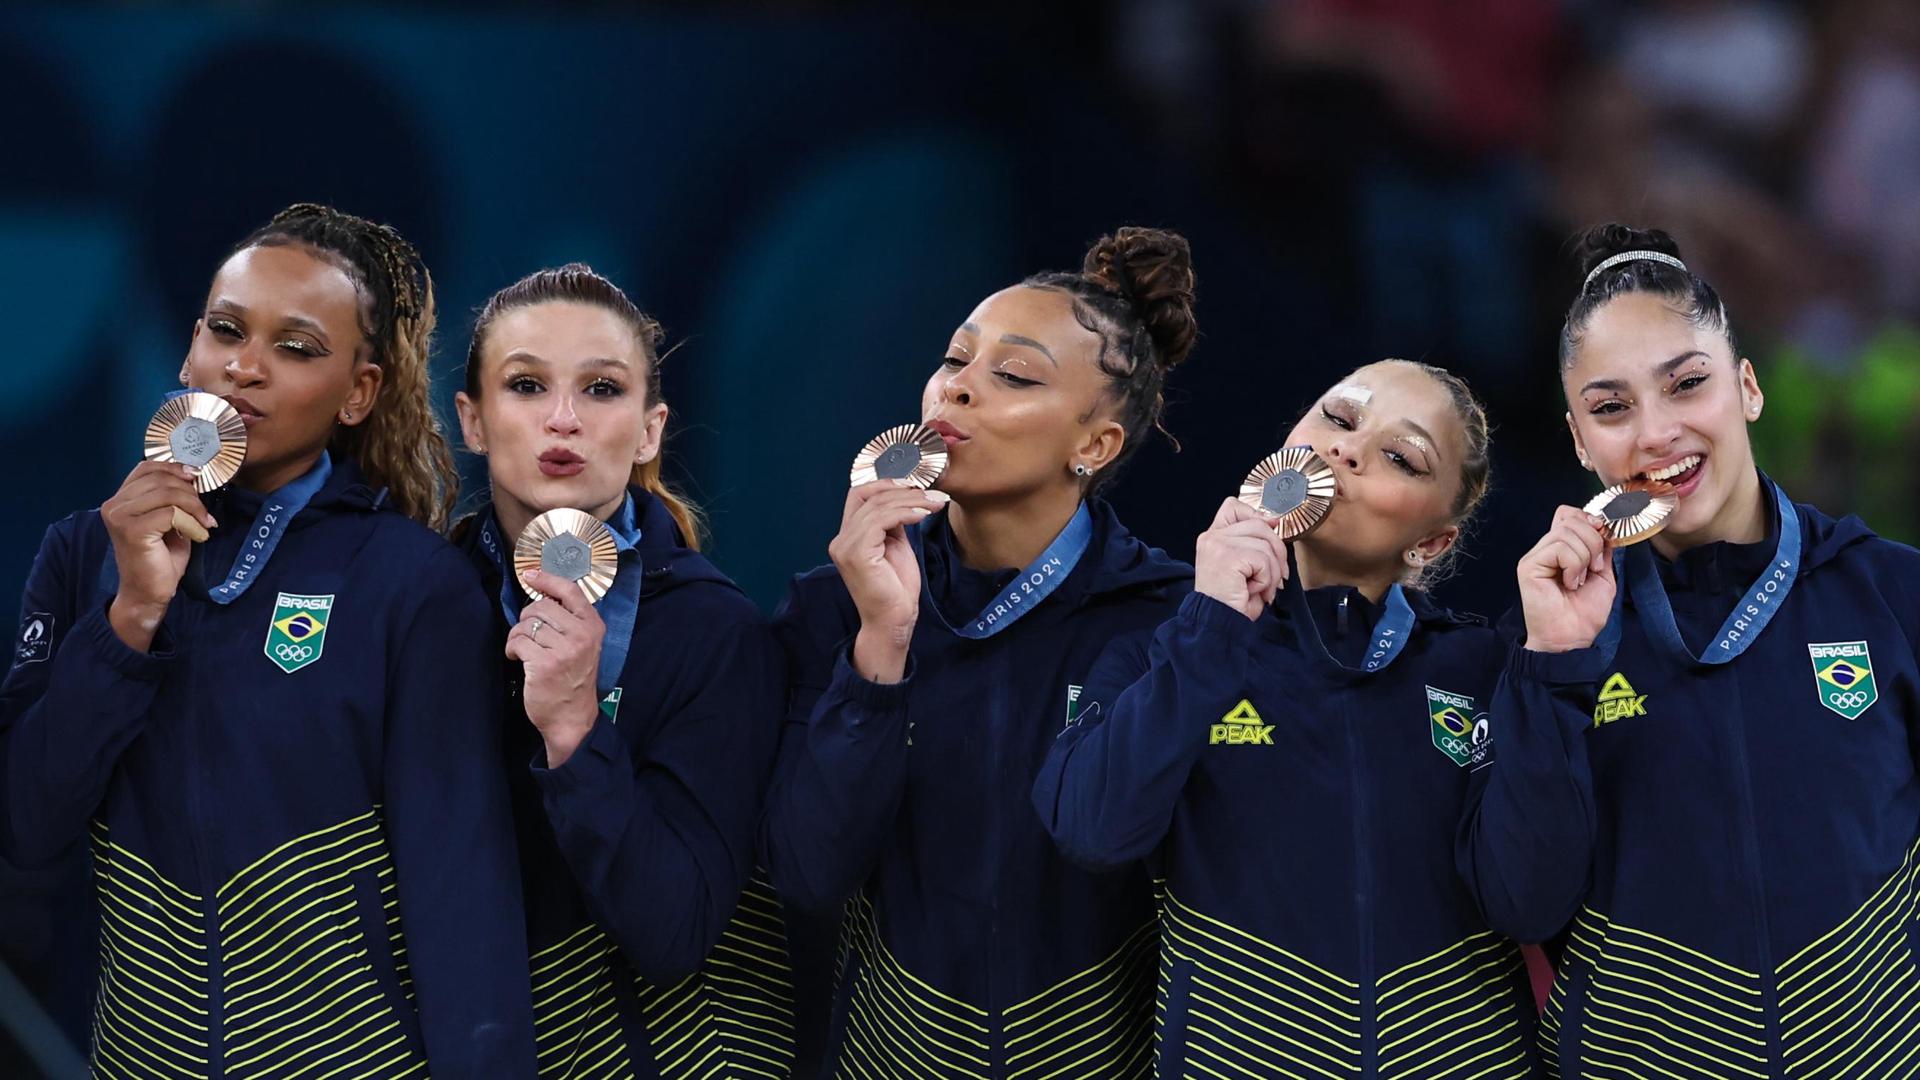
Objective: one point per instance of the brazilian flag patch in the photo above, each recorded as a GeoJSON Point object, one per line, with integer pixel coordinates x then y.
{"type": "Point", "coordinates": [1455, 731]}
{"type": "Point", "coordinates": [1843, 676]}
{"type": "Point", "coordinates": [297, 633]}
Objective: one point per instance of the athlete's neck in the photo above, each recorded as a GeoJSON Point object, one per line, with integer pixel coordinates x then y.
{"type": "Point", "coordinates": [997, 534]}
{"type": "Point", "coordinates": [1743, 520]}
{"type": "Point", "coordinates": [1320, 569]}
{"type": "Point", "coordinates": [514, 514]}
{"type": "Point", "coordinates": [271, 477]}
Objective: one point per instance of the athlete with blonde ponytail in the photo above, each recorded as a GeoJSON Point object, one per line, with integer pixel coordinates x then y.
{"type": "Point", "coordinates": [282, 741]}
{"type": "Point", "coordinates": [642, 725]}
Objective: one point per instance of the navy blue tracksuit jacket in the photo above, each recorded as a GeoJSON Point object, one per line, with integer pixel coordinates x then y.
{"type": "Point", "coordinates": [653, 954]}
{"type": "Point", "coordinates": [1733, 845]}
{"type": "Point", "coordinates": [1299, 818]}
{"type": "Point", "coordinates": [970, 948]}
{"type": "Point", "coordinates": [304, 863]}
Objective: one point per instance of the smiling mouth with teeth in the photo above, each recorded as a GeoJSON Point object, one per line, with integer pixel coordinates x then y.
{"type": "Point", "coordinates": [1672, 472]}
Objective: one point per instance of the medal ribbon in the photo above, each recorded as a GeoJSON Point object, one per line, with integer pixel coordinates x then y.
{"type": "Point", "coordinates": [1384, 644]}
{"type": "Point", "coordinates": [1750, 616]}
{"type": "Point", "coordinates": [276, 512]}
{"type": "Point", "coordinates": [1028, 588]}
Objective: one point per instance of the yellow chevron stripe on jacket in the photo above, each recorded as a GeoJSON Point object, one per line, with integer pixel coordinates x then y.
{"type": "Point", "coordinates": [897, 1024]}
{"type": "Point", "coordinates": [297, 975]}
{"type": "Point", "coordinates": [733, 1018]}
{"type": "Point", "coordinates": [1095, 1024]}
{"type": "Point", "coordinates": [1655, 1006]}
{"type": "Point", "coordinates": [150, 1016]}
{"type": "Point", "coordinates": [1850, 1000]}
{"type": "Point", "coordinates": [1256, 1009]}
{"type": "Point", "coordinates": [296, 966]}
{"type": "Point", "coordinates": [1453, 1014]}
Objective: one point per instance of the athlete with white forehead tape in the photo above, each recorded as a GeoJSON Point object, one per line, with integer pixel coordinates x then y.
{"type": "Point", "coordinates": [1289, 755]}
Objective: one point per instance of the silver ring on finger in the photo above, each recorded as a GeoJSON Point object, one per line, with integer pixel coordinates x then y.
{"type": "Point", "coordinates": [538, 625]}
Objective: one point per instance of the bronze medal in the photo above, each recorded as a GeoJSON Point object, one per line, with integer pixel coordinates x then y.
{"type": "Point", "coordinates": [1295, 486]}
{"type": "Point", "coordinates": [198, 429]}
{"type": "Point", "coordinates": [568, 543]}
{"type": "Point", "coordinates": [910, 452]}
{"type": "Point", "coordinates": [1636, 510]}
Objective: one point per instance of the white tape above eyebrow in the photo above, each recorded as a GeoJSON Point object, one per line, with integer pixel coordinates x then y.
{"type": "Point", "coordinates": [1359, 395]}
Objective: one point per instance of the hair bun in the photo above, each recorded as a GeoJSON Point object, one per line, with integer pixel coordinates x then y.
{"type": "Point", "coordinates": [1153, 270]}
{"type": "Point", "coordinates": [1603, 242]}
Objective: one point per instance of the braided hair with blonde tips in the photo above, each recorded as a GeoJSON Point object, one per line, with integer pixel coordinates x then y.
{"type": "Point", "coordinates": [401, 445]}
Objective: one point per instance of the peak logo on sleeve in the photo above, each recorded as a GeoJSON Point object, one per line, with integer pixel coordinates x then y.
{"type": "Point", "coordinates": [1617, 701]}
{"type": "Point", "coordinates": [1241, 726]}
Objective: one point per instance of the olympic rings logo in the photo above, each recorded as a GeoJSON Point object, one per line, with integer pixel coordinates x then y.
{"type": "Point", "coordinates": [293, 653]}
{"type": "Point", "coordinates": [1848, 699]}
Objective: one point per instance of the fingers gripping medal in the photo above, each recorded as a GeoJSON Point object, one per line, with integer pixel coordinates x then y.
{"type": "Point", "coordinates": [910, 452]}
{"type": "Point", "coordinates": [198, 429]}
{"type": "Point", "coordinates": [1295, 486]}
{"type": "Point", "coordinates": [571, 544]}
{"type": "Point", "coordinates": [1636, 510]}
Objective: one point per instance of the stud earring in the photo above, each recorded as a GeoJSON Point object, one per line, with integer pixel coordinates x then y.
{"type": "Point", "coordinates": [1080, 469]}
{"type": "Point", "coordinates": [1414, 556]}
{"type": "Point", "coordinates": [346, 416]}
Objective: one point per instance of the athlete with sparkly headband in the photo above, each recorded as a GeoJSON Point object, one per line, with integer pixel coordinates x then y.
{"type": "Point", "coordinates": [933, 663]}
{"type": "Point", "coordinates": [1726, 829]}
{"type": "Point", "coordinates": [1289, 756]}
{"type": "Point", "coordinates": [282, 741]}
{"type": "Point", "coordinates": [642, 719]}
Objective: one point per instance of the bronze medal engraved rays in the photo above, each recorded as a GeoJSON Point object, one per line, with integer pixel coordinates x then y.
{"type": "Point", "coordinates": [1636, 510]}
{"type": "Point", "coordinates": [1294, 486]}
{"type": "Point", "coordinates": [568, 543]}
{"type": "Point", "coordinates": [910, 452]}
{"type": "Point", "coordinates": [198, 429]}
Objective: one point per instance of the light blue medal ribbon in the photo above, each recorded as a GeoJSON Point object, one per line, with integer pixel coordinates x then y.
{"type": "Point", "coordinates": [618, 608]}
{"type": "Point", "coordinates": [1750, 616]}
{"type": "Point", "coordinates": [1384, 644]}
{"type": "Point", "coordinates": [277, 511]}
{"type": "Point", "coordinates": [1028, 588]}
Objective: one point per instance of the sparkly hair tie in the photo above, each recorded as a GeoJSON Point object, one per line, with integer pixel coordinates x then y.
{"type": "Point", "coordinates": [1633, 256]}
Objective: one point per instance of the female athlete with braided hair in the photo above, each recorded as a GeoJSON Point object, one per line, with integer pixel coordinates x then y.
{"type": "Point", "coordinates": [283, 742]}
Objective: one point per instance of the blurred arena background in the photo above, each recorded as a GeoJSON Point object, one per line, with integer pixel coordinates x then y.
{"type": "Point", "coordinates": [811, 195]}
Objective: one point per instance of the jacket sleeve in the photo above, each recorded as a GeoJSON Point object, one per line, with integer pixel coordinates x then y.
{"type": "Point", "coordinates": [74, 699]}
{"type": "Point", "coordinates": [1109, 785]}
{"type": "Point", "coordinates": [842, 764]}
{"type": "Point", "coordinates": [1526, 839]}
{"type": "Point", "coordinates": [451, 831]}
{"type": "Point", "coordinates": [661, 841]}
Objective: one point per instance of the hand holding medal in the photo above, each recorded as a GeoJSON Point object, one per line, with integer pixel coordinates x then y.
{"type": "Point", "coordinates": [203, 432]}
{"type": "Point", "coordinates": [892, 477]}
{"type": "Point", "coordinates": [1241, 560]}
{"type": "Point", "coordinates": [566, 560]}
{"type": "Point", "coordinates": [1567, 584]}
